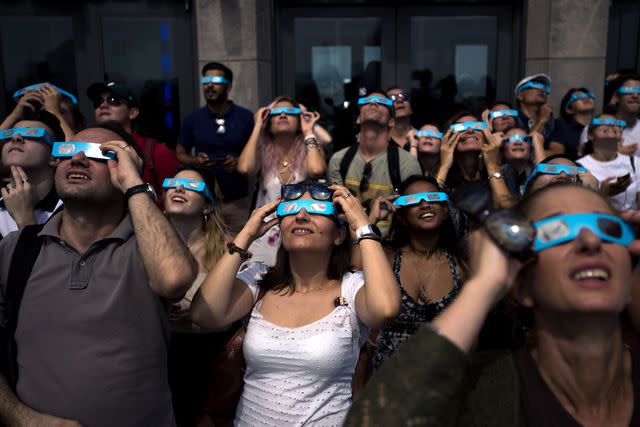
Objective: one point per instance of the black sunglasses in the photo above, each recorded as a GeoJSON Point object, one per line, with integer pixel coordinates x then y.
{"type": "Point", "coordinates": [295, 191]}
{"type": "Point", "coordinates": [112, 100]}
{"type": "Point", "coordinates": [366, 176]}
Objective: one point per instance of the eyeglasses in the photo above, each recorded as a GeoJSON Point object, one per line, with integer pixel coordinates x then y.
{"type": "Point", "coordinates": [34, 88]}
{"type": "Point", "coordinates": [564, 228]}
{"type": "Point", "coordinates": [551, 169]}
{"type": "Point", "coordinates": [112, 100]}
{"type": "Point", "coordinates": [534, 85]}
{"type": "Point", "coordinates": [402, 96]}
{"type": "Point", "coordinates": [502, 113]}
{"type": "Point", "coordinates": [189, 184]}
{"type": "Point", "coordinates": [217, 80]}
{"type": "Point", "coordinates": [316, 207]}
{"type": "Point", "coordinates": [428, 132]}
{"type": "Point", "coordinates": [415, 199]}
{"type": "Point", "coordinates": [90, 149]}
{"type": "Point", "coordinates": [525, 139]}
{"type": "Point", "coordinates": [461, 127]}
{"type": "Point", "coordinates": [39, 134]}
{"type": "Point", "coordinates": [291, 111]}
{"type": "Point", "coordinates": [366, 176]}
{"type": "Point", "coordinates": [295, 191]}
{"type": "Point", "coordinates": [375, 100]}
{"type": "Point", "coordinates": [577, 96]}
{"type": "Point", "coordinates": [627, 90]}
{"type": "Point", "coordinates": [608, 122]}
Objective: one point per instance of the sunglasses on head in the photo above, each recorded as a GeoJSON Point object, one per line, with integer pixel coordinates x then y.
{"type": "Point", "coordinates": [608, 122]}
{"type": "Point", "coordinates": [291, 111]}
{"type": "Point", "coordinates": [316, 207]}
{"type": "Point", "coordinates": [526, 139]}
{"type": "Point", "coordinates": [564, 228]}
{"type": "Point", "coordinates": [295, 191]}
{"type": "Point", "coordinates": [429, 132]}
{"type": "Point", "coordinates": [415, 199]}
{"type": "Point", "coordinates": [90, 149]}
{"type": "Point", "coordinates": [551, 169]}
{"type": "Point", "coordinates": [534, 85]}
{"type": "Point", "coordinates": [34, 88]}
{"type": "Point", "coordinates": [502, 113]}
{"type": "Point", "coordinates": [189, 184]}
{"type": "Point", "coordinates": [375, 100]}
{"type": "Point", "coordinates": [461, 127]}
{"type": "Point", "coordinates": [39, 134]}
{"type": "Point", "coordinates": [402, 96]}
{"type": "Point", "coordinates": [112, 100]}
{"type": "Point", "coordinates": [577, 96]}
{"type": "Point", "coordinates": [218, 80]}
{"type": "Point", "coordinates": [625, 90]}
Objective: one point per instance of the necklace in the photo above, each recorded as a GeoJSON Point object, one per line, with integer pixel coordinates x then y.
{"type": "Point", "coordinates": [312, 290]}
{"type": "Point", "coordinates": [422, 281]}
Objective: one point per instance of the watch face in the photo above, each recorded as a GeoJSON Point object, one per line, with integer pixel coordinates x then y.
{"type": "Point", "coordinates": [152, 192]}
{"type": "Point", "coordinates": [375, 230]}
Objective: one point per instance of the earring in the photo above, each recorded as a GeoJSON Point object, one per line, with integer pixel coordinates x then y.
{"type": "Point", "coordinates": [205, 217]}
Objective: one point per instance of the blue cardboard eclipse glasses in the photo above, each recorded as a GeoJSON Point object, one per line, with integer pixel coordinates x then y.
{"type": "Point", "coordinates": [576, 96]}
{"type": "Point", "coordinates": [461, 127]}
{"type": "Point", "coordinates": [188, 184]}
{"type": "Point", "coordinates": [376, 99]}
{"type": "Point", "coordinates": [217, 80]}
{"type": "Point", "coordinates": [502, 113]}
{"type": "Point", "coordinates": [91, 150]}
{"type": "Point", "coordinates": [563, 228]}
{"type": "Point", "coordinates": [626, 90]}
{"type": "Point", "coordinates": [34, 88]}
{"type": "Point", "coordinates": [525, 139]}
{"type": "Point", "coordinates": [551, 169]}
{"type": "Point", "coordinates": [27, 133]}
{"type": "Point", "coordinates": [429, 132]}
{"type": "Point", "coordinates": [414, 199]}
{"type": "Point", "coordinates": [608, 122]}
{"type": "Point", "coordinates": [291, 111]}
{"type": "Point", "coordinates": [534, 85]}
{"type": "Point", "coordinates": [317, 207]}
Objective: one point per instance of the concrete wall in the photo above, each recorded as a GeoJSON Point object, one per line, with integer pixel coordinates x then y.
{"type": "Point", "coordinates": [239, 34]}
{"type": "Point", "coordinates": [567, 39]}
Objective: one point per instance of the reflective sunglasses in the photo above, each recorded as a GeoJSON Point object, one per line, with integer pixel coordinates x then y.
{"type": "Point", "coordinates": [564, 228]}
{"type": "Point", "coordinates": [551, 169]}
{"type": "Point", "coordinates": [91, 150]}
{"type": "Point", "coordinates": [626, 90]}
{"type": "Point", "coordinates": [295, 191]}
{"type": "Point", "coordinates": [534, 85]}
{"type": "Point", "coordinates": [402, 96]}
{"type": "Point", "coordinates": [375, 99]}
{"type": "Point", "coordinates": [366, 176]}
{"type": "Point", "coordinates": [608, 122]}
{"type": "Point", "coordinates": [39, 134]}
{"type": "Point", "coordinates": [218, 80]}
{"type": "Point", "coordinates": [525, 139]}
{"type": "Point", "coordinates": [577, 96]}
{"type": "Point", "coordinates": [461, 127]}
{"type": "Point", "coordinates": [188, 184]}
{"type": "Point", "coordinates": [415, 199]}
{"type": "Point", "coordinates": [112, 100]}
{"type": "Point", "coordinates": [21, 92]}
{"type": "Point", "coordinates": [291, 111]}
{"type": "Point", "coordinates": [502, 113]}
{"type": "Point", "coordinates": [316, 207]}
{"type": "Point", "coordinates": [428, 132]}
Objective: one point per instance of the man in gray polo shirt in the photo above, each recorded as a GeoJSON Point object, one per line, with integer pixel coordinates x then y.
{"type": "Point", "coordinates": [92, 332]}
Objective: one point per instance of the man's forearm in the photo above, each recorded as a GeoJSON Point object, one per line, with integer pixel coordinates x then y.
{"type": "Point", "coordinates": [12, 411]}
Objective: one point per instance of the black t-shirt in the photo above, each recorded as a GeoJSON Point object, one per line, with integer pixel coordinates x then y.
{"type": "Point", "coordinates": [540, 407]}
{"type": "Point", "coordinates": [568, 132]}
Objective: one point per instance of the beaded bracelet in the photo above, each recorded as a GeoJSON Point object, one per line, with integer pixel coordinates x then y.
{"type": "Point", "coordinates": [232, 248]}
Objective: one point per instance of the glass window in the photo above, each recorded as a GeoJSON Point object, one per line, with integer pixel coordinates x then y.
{"type": "Point", "coordinates": [623, 45]}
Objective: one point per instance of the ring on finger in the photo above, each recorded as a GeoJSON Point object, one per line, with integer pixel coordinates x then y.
{"type": "Point", "coordinates": [346, 195]}
{"type": "Point", "coordinates": [10, 186]}
{"type": "Point", "coordinates": [124, 146]}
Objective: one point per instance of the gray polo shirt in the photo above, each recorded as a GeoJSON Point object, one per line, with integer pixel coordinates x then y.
{"type": "Point", "coordinates": [92, 335]}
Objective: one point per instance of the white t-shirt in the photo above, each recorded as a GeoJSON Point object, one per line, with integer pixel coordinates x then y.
{"type": "Point", "coordinates": [617, 167]}
{"type": "Point", "coordinates": [300, 376]}
{"type": "Point", "coordinates": [8, 224]}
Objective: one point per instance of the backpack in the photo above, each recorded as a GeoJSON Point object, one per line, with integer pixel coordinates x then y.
{"type": "Point", "coordinates": [393, 163]}
{"type": "Point", "coordinates": [23, 259]}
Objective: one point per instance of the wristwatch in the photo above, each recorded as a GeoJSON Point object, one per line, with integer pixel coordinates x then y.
{"type": "Point", "coordinates": [368, 231]}
{"type": "Point", "coordinates": [496, 175]}
{"type": "Point", "coordinates": [141, 188]}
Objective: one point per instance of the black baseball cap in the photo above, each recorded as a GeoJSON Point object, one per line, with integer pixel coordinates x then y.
{"type": "Point", "coordinates": [97, 89]}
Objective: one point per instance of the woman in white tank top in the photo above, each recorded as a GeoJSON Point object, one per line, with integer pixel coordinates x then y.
{"type": "Point", "coordinates": [304, 336]}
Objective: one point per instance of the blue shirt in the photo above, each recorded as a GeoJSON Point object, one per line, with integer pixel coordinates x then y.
{"type": "Point", "coordinates": [200, 130]}
{"type": "Point", "coordinates": [527, 124]}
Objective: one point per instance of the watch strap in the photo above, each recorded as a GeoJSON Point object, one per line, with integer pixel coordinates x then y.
{"type": "Point", "coordinates": [140, 188]}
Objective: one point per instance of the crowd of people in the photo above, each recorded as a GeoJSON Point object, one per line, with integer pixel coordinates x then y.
{"type": "Point", "coordinates": [377, 285]}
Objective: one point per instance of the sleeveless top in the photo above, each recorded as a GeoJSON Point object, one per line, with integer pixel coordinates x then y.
{"type": "Point", "coordinates": [412, 314]}
{"type": "Point", "coordinates": [301, 376]}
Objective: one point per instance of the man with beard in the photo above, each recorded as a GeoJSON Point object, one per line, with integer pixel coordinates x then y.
{"type": "Point", "coordinates": [402, 119]}
{"type": "Point", "coordinates": [534, 113]}
{"type": "Point", "coordinates": [217, 133]}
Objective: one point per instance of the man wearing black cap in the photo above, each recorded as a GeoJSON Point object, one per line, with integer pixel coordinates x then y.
{"type": "Point", "coordinates": [115, 102]}
{"type": "Point", "coordinates": [534, 113]}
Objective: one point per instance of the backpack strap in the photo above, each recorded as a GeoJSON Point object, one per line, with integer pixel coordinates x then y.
{"type": "Point", "coordinates": [23, 259]}
{"type": "Point", "coordinates": [346, 162]}
{"type": "Point", "coordinates": [393, 163]}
